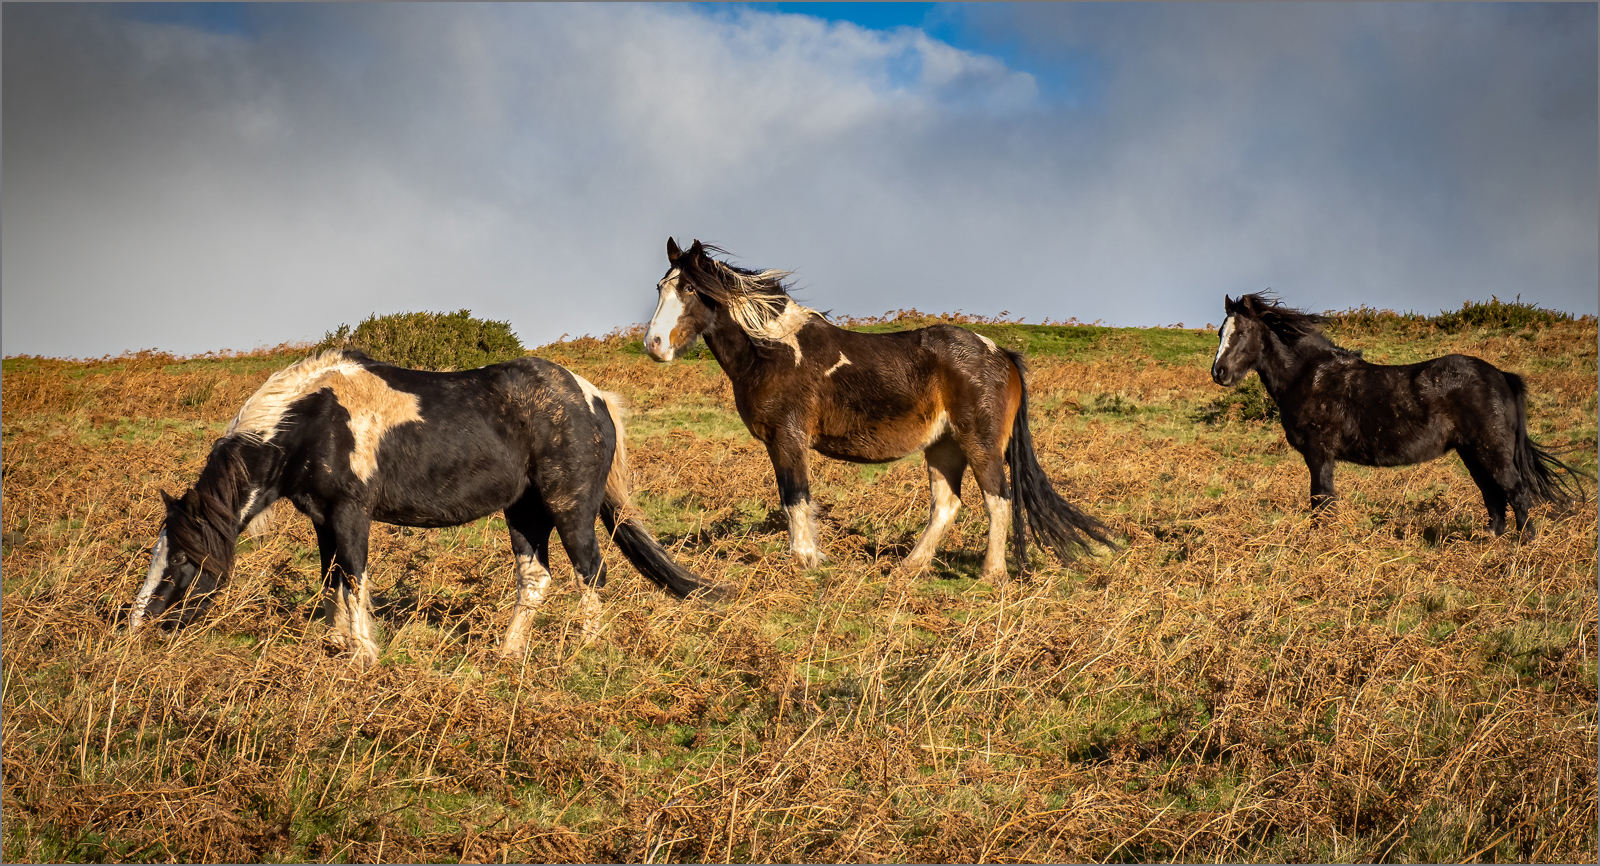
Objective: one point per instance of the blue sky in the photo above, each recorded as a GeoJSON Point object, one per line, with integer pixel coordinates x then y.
{"type": "Point", "coordinates": [208, 176]}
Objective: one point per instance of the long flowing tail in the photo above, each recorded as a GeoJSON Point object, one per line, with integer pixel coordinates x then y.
{"type": "Point", "coordinates": [629, 532]}
{"type": "Point", "coordinates": [1057, 523]}
{"type": "Point", "coordinates": [1547, 477]}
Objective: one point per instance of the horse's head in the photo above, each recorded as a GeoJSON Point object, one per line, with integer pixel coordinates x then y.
{"type": "Point", "coordinates": [183, 574]}
{"type": "Point", "coordinates": [1239, 340]}
{"type": "Point", "coordinates": [682, 315]}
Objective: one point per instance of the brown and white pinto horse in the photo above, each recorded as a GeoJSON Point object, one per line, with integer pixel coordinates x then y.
{"type": "Point", "coordinates": [349, 440]}
{"type": "Point", "coordinates": [802, 384]}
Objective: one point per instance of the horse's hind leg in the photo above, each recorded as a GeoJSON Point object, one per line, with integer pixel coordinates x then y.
{"type": "Point", "coordinates": [946, 463]}
{"type": "Point", "coordinates": [529, 524]}
{"type": "Point", "coordinates": [342, 539]}
{"type": "Point", "coordinates": [1500, 487]}
{"type": "Point", "coordinates": [990, 472]}
{"type": "Point", "coordinates": [576, 529]}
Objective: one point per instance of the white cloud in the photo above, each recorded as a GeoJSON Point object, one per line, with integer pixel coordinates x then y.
{"type": "Point", "coordinates": [173, 188]}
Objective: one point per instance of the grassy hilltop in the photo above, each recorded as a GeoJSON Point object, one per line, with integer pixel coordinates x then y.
{"type": "Point", "coordinates": [1233, 684]}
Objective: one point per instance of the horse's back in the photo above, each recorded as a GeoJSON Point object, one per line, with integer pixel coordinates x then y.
{"type": "Point", "coordinates": [1406, 413]}
{"type": "Point", "coordinates": [485, 435]}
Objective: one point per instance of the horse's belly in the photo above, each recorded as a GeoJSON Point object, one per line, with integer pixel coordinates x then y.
{"type": "Point", "coordinates": [447, 496]}
{"type": "Point", "coordinates": [883, 442]}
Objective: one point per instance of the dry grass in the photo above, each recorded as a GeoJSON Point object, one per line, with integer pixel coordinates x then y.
{"type": "Point", "coordinates": [1234, 684]}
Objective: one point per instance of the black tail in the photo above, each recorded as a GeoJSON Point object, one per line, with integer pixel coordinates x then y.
{"type": "Point", "coordinates": [1546, 476]}
{"type": "Point", "coordinates": [1057, 523]}
{"type": "Point", "coordinates": [651, 559]}
{"type": "Point", "coordinates": [629, 532]}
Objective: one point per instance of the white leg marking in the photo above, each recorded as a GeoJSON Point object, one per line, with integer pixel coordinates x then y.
{"type": "Point", "coordinates": [348, 608]}
{"type": "Point", "coordinates": [1227, 334]}
{"type": "Point", "coordinates": [994, 561]}
{"type": "Point", "coordinates": [533, 579]}
{"type": "Point", "coordinates": [367, 646]}
{"type": "Point", "coordinates": [158, 567]}
{"type": "Point", "coordinates": [589, 609]}
{"type": "Point", "coordinates": [840, 363]}
{"type": "Point", "coordinates": [942, 507]}
{"type": "Point", "coordinates": [803, 534]}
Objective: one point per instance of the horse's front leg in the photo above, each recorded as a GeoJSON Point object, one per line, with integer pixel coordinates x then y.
{"type": "Point", "coordinates": [1321, 466]}
{"type": "Point", "coordinates": [342, 538]}
{"type": "Point", "coordinates": [789, 457]}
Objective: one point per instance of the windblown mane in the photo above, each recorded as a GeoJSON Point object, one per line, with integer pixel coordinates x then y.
{"type": "Point", "coordinates": [258, 418]}
{"type": "Point", "coordinates": [204, 524]}
{"type": "Point", "coordinates": [1292, 326]}
{"type": "Point", "coordinates": [758, 301]}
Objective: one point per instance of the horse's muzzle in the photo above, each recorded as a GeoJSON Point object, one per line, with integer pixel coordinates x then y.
{"type": "Point", "coordinates": [657, 348]}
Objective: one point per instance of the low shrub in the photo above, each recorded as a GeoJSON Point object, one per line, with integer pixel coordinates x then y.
{"type": "Point", "coordinates": [429, 341]}
{"type": "Point", "coordinates": [1495, 313]}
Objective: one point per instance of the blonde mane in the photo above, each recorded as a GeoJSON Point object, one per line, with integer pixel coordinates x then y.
{"type": "Point", "coordinates": [258, 418]}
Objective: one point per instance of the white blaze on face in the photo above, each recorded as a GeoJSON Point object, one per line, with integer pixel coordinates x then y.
{"type": "Point", "coordinates": [1222, 347]}
{"type": "Point", "coordinates": [158, 567]}
{"type": "Point", "coordinates": [668, 311]}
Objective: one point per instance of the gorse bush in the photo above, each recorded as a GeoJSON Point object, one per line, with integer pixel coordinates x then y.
{"type": "Point", "coordinates": [1493, 313]}
{"type": "Point", "coordinates": [429, 341]}
{"type": "Point", "coordinates": [1496, 313]}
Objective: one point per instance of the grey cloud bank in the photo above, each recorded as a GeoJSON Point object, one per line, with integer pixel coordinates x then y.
{"type": "Point", "coordinates": [188, 190]}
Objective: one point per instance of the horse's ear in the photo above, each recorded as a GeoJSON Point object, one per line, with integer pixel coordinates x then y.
{"type": "Point", "coordinates": [696, 249]}
{"type": "Point", "coordinates": [1229, 305]}
{"type": "Point", "coordinates": [167, 499]}
{"type": "Point", "coordinates": [673, 253]}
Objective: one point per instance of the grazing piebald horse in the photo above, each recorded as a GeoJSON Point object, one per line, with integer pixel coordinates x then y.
{"type": "Point", "coordinates": [349, 440]}
{"type": "Point", "coordinates": [1335, 406]}
{"type": "Point", "coordinates": [802, 384]}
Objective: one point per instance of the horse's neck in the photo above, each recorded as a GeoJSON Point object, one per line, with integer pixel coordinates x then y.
{"type": "Point", "coordinates": [1282, 365]}
{"type": "Point", "coordinates": [734, 349]}
{"type": "Point", "coordinates": [238, 489]}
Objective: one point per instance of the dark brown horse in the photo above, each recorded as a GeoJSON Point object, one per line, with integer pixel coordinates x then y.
{"type": "Point", "coordinates": [802, 384]}
{"type": "Point", "coordinates": [1335, 406]}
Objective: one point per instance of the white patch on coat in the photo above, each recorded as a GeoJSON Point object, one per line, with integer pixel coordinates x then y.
{"type": "Point", "coordinates": [987, 342]}
{"type": "Point", "coordinates": [590, 392]}
{"type": "Point", "coordinates": [783, 328]}
{"type": "Point", "coordinates": [1227, 335]}
{"type": "Point", "coordinates": [158, 567]}
{"type": "Point", "coordinates": [668, 311]}
{"type": "Point", "coordinates": [936, 430]}
{"type": "Point", "coordinates": [248, 504]}
{"type": "Point", "coordinates": [837, 364]}
{"type": "Point", "coordinates": [374, 407]}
